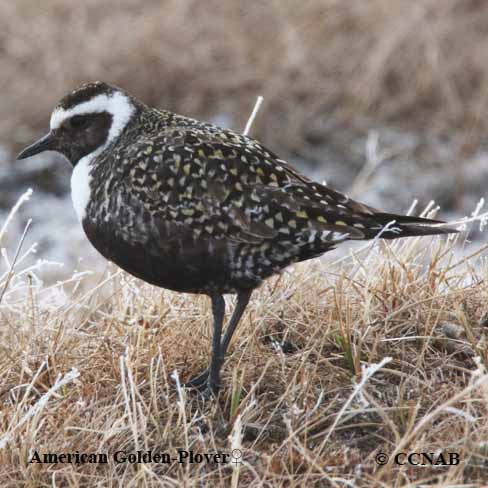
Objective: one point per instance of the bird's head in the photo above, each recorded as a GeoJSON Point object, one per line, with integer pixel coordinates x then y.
{"type": "Point", "coordinates": [85, 121]}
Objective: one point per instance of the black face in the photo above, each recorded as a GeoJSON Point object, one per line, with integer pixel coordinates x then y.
{"type": "Point", "coordinates": [82, 134]}
{"type": "Point", "coordinates": [77, 137]}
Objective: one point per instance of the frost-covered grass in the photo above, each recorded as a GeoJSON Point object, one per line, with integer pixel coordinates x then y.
{"type": "Point", "coordinates": [339, 359]}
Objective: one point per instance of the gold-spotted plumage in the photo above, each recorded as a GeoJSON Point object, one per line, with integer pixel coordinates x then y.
{"type": "Point", "coordinates": [196, 208]}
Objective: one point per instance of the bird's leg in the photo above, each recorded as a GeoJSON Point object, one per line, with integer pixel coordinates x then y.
{"type": "Point", "coordinates": [217, 357]}
{"type": "Point", "coordinates": [242, 301]}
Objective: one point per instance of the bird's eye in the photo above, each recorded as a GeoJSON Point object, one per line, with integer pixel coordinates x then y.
{"type": "Point", "coordinates": [78, 121]}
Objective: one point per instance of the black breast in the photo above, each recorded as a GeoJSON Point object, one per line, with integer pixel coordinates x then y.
{"type": "Point", "coordinates": [175, 261]}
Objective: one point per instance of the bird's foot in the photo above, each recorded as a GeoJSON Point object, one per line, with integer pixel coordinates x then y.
{"type": "Point", "coordinates": [198, 381]}
{"type": "Point", "coordinates": [209, 390]}
{"type": "Point", "coordinates": [204, 384]}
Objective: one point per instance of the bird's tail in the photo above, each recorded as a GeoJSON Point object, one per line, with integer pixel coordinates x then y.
{"type": "Point", "coordinates": [393, 226]}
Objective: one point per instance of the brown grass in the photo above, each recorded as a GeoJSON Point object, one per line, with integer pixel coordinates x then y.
{"type": "Point", "coordinates": [382, 351]}
{"type": "Point", "coordinates": [422, 63]}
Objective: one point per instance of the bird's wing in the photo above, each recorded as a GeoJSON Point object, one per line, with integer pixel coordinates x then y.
{"type": "Point", "coordinates": [230, 187]}
{"type": "Point", "coordinates": [220, 185]}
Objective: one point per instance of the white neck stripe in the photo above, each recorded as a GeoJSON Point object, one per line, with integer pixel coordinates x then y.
{"type": "Point", "coordinates": [117, 104]}
{"type": "Point", "coordinates": [121, 109]}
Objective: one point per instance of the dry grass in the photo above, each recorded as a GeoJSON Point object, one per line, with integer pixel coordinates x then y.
{"type": "Point", "coordinates": [422, 62]}
{"type": "Point", "coordinates": [380, 351]}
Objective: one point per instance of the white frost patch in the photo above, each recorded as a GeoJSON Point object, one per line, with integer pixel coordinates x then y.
{"type": "Point", "coordinates": [236, 444]}
{"type": "Point", "coordinates": [367, 373]}
{"type": "Point", "coordinates": [40, 404]}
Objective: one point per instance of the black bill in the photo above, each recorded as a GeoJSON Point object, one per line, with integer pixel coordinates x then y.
{"type": "Point", "coordinates": [46, 143]}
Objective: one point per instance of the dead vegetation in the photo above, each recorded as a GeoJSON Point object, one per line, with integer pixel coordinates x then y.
{"type": "Point", "coordinates": [335, 362]}
{"type": "Point", "coordinates": [421, 63]}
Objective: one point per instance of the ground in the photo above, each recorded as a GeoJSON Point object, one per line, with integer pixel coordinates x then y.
{"type": "Point", "coordinates": [372, 352]}
{"type": "Point", "coordinates": [336, 363]}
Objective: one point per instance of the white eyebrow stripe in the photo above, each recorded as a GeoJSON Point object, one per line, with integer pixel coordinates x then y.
{"type": "Point", "coordinates": [117, 104]}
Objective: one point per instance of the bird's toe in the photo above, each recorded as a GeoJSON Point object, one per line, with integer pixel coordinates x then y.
{"type": "Point", "coordinates": [197, 381]}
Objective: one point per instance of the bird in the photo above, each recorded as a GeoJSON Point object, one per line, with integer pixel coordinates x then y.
{"type": "Point", "coordinates": [195, 208]}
